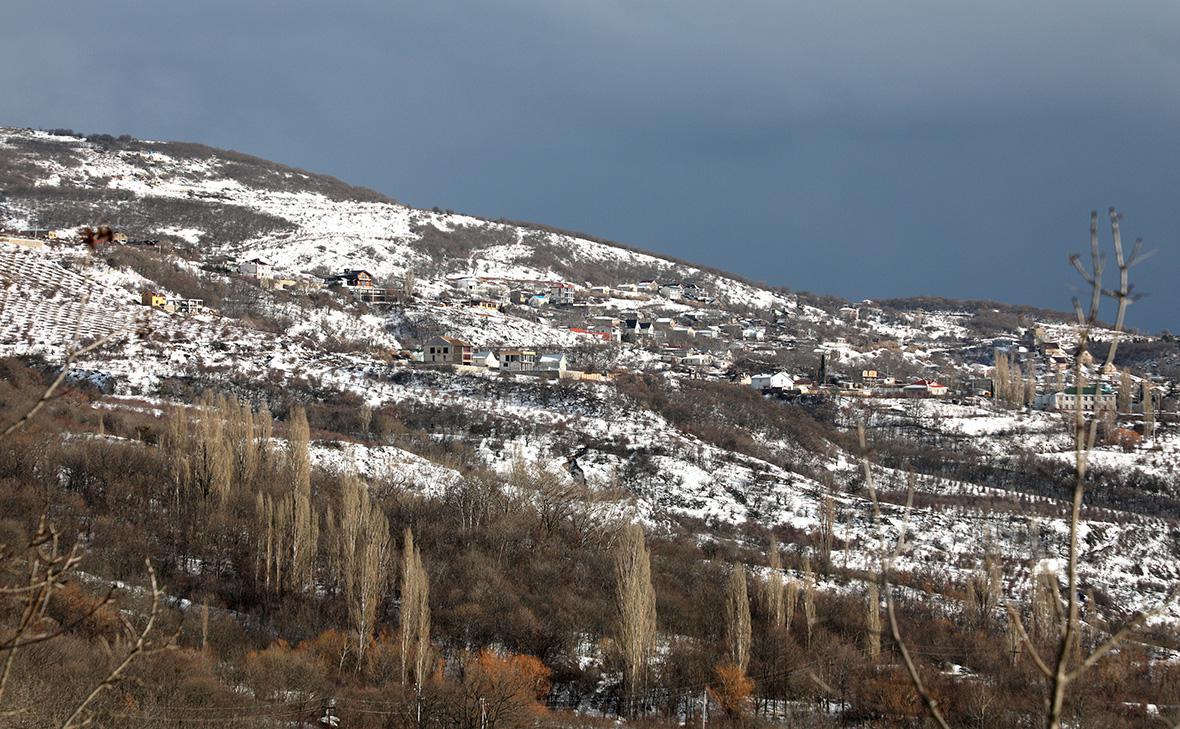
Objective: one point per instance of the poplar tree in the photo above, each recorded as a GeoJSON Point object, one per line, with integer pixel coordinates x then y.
{"type": "Point", "coordinates": [873, 622]}
{"type": "Point", "coordinates": [175, 447]}
{"type": "Point", "coordinates": [1148, 409]}
{"type": "Point", "coordinates": [636, 600]}
{"type": "Point", "coordinates": [263, 432]}
{"type": "Point", "coordinates": [415, 613]}
{"type": "Point", "coordinates": [775, 599]}
{"type": "Point", "coordinates": [789, 603]}
{"type": "Point", "coordinates": [809, 609]}
{"type": "Point", "coordinates": [212, 469]}
{"type": "Point", "coordinates": [737, 619]}
{"type": "Point", "coordinates": [364, 554]}
{"type": "Point", "coordinates": [239, 431]}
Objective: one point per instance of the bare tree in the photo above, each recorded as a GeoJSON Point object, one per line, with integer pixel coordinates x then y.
{"type": "Point", "coordinates": [365, 414]}
{"type": "Point", "coordinates": [144, 642]}
{"type": "Point", "coordinates": [1066, 662]}
{"type": "Point", "coordinates": [409, 283]}
{"type": "Point", "coordinates": [774, 588]}
{"type": "Point", "coordinates": [1148, 405]}
{"type": "Point", "coordinates": [365, 554]}
{"type": "Point", "coordinates": [636, 600]}
{"type": "Point", "coordinates": [414, 623]}
{"type": "Point", "coordinates": [984, 592]}
{"type": "Point", "coordinates": [210, 459]}
{"type": "Point", "coordinates": [873, 622]}
{"type": "Point", "coordinates": [297, 518]}
{"type": "Point", "coordinates": [1124, 395]}
{"type": "Point", "coordinates": [46, 568]}
{"type": "Point", "coordinates": [809, 615]}
{"type": "Point", "coordinates": [242, 439]}
{"type": "Point", "coordinates": [827, 530]}
{"type": "Point", "coordinates": [791, 599]}
{"type": "Point", "coordinates": [737, 619]}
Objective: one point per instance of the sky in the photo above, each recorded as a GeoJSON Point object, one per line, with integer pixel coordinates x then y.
{"type": "Point", "coordinates": [864, 149]}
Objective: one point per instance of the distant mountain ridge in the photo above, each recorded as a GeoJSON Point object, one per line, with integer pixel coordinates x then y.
{"type": "Point", "coordinates": [235, 204]}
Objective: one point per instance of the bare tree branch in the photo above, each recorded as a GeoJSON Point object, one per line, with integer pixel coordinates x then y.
{"type": "Point", "coordinates": [49, 391]}
{"type": "Point", "coordinates": [143, 646]}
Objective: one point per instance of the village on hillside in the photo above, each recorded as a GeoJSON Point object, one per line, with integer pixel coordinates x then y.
{"type": "Point", "coordinates": [680, 327]}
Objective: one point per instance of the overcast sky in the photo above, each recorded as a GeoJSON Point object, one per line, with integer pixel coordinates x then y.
{"type": "Point", "coordinates": [866, 149]}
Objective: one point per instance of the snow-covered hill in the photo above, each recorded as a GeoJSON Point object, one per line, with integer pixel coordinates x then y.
{"type": "Point", "coordinates": [705, 468]}
{"type": "Point", "coordinates": [305, 228]}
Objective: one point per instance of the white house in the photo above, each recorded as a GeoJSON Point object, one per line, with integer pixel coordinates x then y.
{"type": "Point", "coordinates": [186, 306]}
{"type": "Point", "coordinates": [485, 358]}
{"type": "Point", "coordinates": [699, 360]}
{"type": "Point", "coordinates": [924, 388]}
{"type": "Point", "coordinates": [518, 360]}
{"type": "Point", "coordinates": [672, 291]}
{"type": "Point", "coordinates": [552, 362]}
{"type": "Point", "coordinates": [257, 268]}
{"type": "Point", "coordinates": [561, 293]}
{"type": "Point", "coordinates": [1093, 397]}
{"type": "Point", "coordinates": [776, 380]}
{"type": "Point", "coordinates": [464, 284]}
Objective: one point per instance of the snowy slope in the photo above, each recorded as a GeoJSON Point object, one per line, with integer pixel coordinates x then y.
{"type": "Point", "coordinates": [666, 473]}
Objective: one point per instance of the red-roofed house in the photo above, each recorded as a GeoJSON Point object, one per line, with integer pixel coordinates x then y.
{"type": "Point", "coordinates": [924, 388]}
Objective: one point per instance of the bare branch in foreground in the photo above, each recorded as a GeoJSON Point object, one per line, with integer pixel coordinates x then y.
{"type": "Point", "coordinates": [143, 646]}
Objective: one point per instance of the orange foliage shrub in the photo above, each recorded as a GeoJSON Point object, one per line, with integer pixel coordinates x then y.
{"type": "Point", "coordinates": [507, 690]}
{"type": "Point", "coordinates": [72, 605]}
{"type": "Point", "coordinates": [732, 691]}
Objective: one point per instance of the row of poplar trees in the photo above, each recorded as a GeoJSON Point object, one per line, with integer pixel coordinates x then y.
{"type": "Point", "coordinates": [222, 462]}
{"type": "Point", "coordinates": [636, 629]}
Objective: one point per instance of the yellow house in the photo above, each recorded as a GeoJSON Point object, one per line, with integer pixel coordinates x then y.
{"type": "Point", "coordinates": [154, 299]}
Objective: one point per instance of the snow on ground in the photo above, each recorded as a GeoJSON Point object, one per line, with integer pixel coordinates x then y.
{"type": "Point", "coordinates": [1159, 458]}
{"type": "Point", "coordinates": [669, 473]}
{"type": "Point", "coordinates": [384, 464]}
{"type": "Point", "coordinates": [380, 237]}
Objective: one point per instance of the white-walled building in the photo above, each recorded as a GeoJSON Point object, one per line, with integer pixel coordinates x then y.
{"type": "Point", "coordinates": [552, 362]}
{"type": "Point", "coordinates": [1093, 397]}
{"type": "Point", "coordinates": [486, 358]}
{"type": "Point", "coordinates": [517, 360]}
{"type": "Point", "coordinates": [776, 380]}
{"type": "Point", "coordinates": [258, 268]}
{"type": "Point", "coordinates": [561, 293]}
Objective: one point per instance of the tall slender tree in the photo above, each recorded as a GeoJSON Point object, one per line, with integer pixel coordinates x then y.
{"type": "Point", "coordinates": [299, 518]}
{"type": "Point", "coordinates": [737, 619]}
{"type": "Point", "coordinates": [775, 597]}
{"type": "Point", "coordinates": [636, 600]}
{"type": "Point", "coordinates": [873, 622]}
{"type": "Point", "coordinates": [364, 558]}
{"type": "Point", "coordinates": [414, 622]}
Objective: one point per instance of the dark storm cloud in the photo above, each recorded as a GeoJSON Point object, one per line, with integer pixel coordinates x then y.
{"type": "Point", "coordinates": [860, 148]}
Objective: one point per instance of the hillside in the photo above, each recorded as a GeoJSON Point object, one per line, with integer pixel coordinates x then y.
{"type": "Point", "coordinates": [647, 412]}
